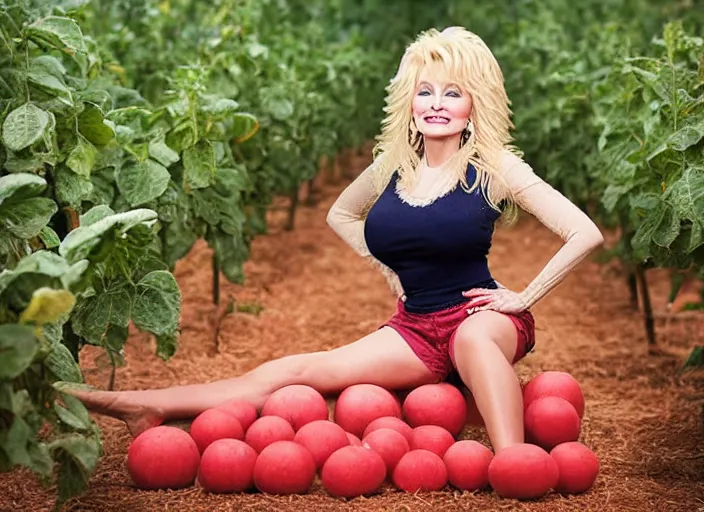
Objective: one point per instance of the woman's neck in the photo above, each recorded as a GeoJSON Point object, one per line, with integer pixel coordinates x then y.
{"type": "Point", "coordinates": [438, 151]}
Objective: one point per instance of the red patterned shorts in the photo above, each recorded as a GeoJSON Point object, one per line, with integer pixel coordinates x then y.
{"type": "Point", "coordinates": [431, 335]}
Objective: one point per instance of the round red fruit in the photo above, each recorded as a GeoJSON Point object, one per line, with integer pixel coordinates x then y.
{"type": "Point", "coordinates": [467, 463]}
{"type": "Point", "coordinates": [420, 470]}
{"type": "Point", "coordinates": [322, 438]}
{"type": "Point", "coordinates": [432, 438]}
{"type": "Point", "coordinates": [391, 422]}
{"type": "Point", "coordinates": [227, 466]}
{"type": "Point", "coordinates": [163, 458]}
{"type": "Point", "coordinates": [554, 383]}
{"type": "Point", "coordinates": [523, 471]}
{"type": "Point", "coordinates": [353, 471]}
{"type": "Point", "coordinates": [213, 424]}
{"type": "Point", "coordinates": [266, 430]}
{"type": "Point", "coordinates": [284, 467]}
{"type": "Point", "coordinates": [359, 405]}
{"type": "Point", "coordinates": [298, 404]}
{"type": "Point", "coordinates": [550, 421]}
{"type": "Point", "coordinates": [578, 467]}
{"type": "Point", "coordinates": [436, 404]}
{"type": "Point", "coordinates": [244, 411]}
{"type": "Point", "coordinates": [389, 444]}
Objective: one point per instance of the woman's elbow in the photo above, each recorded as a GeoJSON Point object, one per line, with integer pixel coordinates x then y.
{"type": "Point", "coordinates": [332, 217]}
{"type": "Point", "coordinates": [595, 237]}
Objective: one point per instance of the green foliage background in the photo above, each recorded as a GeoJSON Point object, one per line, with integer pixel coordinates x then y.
{"type": "Point", "coordinates": [130, 129]}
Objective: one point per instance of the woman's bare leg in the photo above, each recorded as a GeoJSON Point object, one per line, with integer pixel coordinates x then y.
{"type": "Point", "coordinates": [485, 345]}
{"type": "Point", "coordinates": [381, 358]}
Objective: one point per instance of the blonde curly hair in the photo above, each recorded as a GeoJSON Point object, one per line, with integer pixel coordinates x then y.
{"type": "Point", "coordinates": [463, 57]}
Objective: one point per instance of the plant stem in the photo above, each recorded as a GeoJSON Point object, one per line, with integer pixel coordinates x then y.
{"type": "Point", "coordinates": [632, 288]}
{"type": "Point", "coordinates": [293, 206]}
{"type": "Point", "coordinates": [647, 307]}
{"type": "Point", "coordinates": [216, 279]}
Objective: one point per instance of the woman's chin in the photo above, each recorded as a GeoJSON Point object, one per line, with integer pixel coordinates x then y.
{"type": "Point", "coordinates": [439, 134]}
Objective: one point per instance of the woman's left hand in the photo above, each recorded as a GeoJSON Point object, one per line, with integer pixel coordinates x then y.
{"type": "Point", "coordinates": [501, 300]}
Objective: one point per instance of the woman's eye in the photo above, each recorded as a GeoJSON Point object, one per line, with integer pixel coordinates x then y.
{"type": "Point", "coordinates": [454, 94]}
{"type": "Point", "coordinates": [423, 93]}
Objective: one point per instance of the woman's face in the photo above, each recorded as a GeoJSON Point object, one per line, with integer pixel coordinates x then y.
{"type": "Point", "coordinates": [440, 108]}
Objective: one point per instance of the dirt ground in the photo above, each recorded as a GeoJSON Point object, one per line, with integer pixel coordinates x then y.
{"type": "Point", "coordinates": [643, 422]}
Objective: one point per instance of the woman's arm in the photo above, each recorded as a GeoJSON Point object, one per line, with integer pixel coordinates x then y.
{"type": "Point", "coordinates": [346, 218]}
{"type": "Point", "coordinates": [558, 214]}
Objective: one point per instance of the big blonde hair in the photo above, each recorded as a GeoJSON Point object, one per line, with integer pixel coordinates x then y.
{"type": "Point", "coordinates": [467, 60]}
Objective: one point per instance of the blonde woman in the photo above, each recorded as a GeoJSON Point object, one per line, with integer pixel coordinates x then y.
{"type": "Point", "coordinates": [424, 213]}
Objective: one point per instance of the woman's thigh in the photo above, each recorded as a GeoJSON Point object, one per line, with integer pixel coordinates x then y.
{"type": "Point", "coordinates": [382, 358]}
{"type": "Point", "coordinates": [480, 329]}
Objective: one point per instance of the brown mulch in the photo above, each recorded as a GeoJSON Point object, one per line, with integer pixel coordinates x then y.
{"type": "Point", "coordinates": [642, 420]}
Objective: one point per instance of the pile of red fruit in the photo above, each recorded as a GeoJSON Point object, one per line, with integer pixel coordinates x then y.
{"type": "Point", "coordinates": [373, 438]}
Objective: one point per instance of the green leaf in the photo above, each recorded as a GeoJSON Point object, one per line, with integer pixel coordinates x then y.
{"type": "Point", "coordinates": [71, 188]}
{"type": "Point", "coordinates": [93, 127]}
{"type": "Point", "coordinates": [199, 165]}
{"type": "Point", "coordinates": [24, 126]}
{"type": "Point", "coordinates": [78, 243]}
{"type": "Point", "coordinates": [48, 64]}
{"type": "Point", "coordinates": [50, 85]}
{"type": "Point", "coordinates": [95, 214]}
{"type": "Point", "coordinates": [217, 106]}
{"type": "Point", "coordinates": [61, 363]}
{"type": "Point", "coordinates": [18, 346]}
{"type": "Point", "coordinates": [26, 219]}
{"type": "Point", "coordinates": [49, 237]}
{"type": "Point", "coordinates": [667, 229]}
{"type": "Point", "coordinates": [21, 186]}
{"type": "Point", "coordinates": [687, 198]}
{"type": "Point", "coordinates": [93, 316]}
{"type": "Point", "coordinates": [47, 306]}
{"type": "Point", "coordinates": [82, 158]}
{"type": "Point", "coordinates": [22, 448]}
{"type": "Point", "coordinates": [142, 182]}
{"type": "Point", "coordinates": [43, 262]}
{"type": "Point", "coordinates": [166, 345]}
{"type": "Point", "coordinates": [244, 126]}
{"type": "Point", "coordinates": [162, 153]}
{"type": "Point", "coordinates": [279, 108]}
{"type": "Point", "coordinates": [684, 138]}
{"type": "Point", "coordinates": [59, 32]}
{"type": "Point", "coordinates": [74, 414]}
{"type": "Point", "coordinates": [613, 193]}
{"type": "Point", "coordinates": [695, 360]}
{"type": "Point", "coordinates": [75, 273]}
{"type": "Point", "coordinates": [78, 457]}
{"type": "Point", "coordinates": [157, 305]}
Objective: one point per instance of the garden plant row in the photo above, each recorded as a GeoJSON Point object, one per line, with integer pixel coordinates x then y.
{"type": "Point", "coordinates": [608, 101]}
{"type": "Point", "coordinates": [129, 131]}
{"type": "Point", "coordinates": [132, 129]}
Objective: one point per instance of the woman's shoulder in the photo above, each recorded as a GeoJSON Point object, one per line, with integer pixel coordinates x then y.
{"type": "Point", "coordinates": [515, 171]}
{"type": "Point", "coordinates": [511, 160]}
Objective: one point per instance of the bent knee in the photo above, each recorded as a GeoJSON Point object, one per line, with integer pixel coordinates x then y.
{"type": "Point", "coordinates": [483, 330]}
{"type": "Point", "coordinates": [289, 370]}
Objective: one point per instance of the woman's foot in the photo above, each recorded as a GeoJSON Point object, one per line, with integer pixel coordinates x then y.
{"type": "Point", "coordinates": [137, 417]}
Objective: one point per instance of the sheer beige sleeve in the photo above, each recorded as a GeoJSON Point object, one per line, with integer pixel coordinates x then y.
{"type": "Point", "coordinates": [347, 217]}
{"type": "Point", "coordinates": [558, 214]}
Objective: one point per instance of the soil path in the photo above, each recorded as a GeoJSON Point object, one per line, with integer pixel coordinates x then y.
{"type": "Point", "coordinates": [314, 293]}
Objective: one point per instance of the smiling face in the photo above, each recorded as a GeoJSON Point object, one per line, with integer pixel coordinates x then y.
{"type": "Point", "coordinates": [440, 107]}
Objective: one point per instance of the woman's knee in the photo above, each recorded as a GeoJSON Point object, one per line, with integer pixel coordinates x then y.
{"type": "Point", "coordinates": [482, 331]}
{"type": "Point", "coordinates": [287, 370]}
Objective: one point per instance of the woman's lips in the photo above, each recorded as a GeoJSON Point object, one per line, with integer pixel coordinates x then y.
{"type": "Point", "coordinates": [436, 120]}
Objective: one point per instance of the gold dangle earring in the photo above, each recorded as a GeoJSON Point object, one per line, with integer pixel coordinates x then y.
{"type": "Point", "coordinates": [468, 131]}
{"type": "Point", "coordinates": [415, 138]}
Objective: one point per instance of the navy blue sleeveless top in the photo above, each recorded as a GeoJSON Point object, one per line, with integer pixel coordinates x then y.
{"type": "Point", "coordinates": [438, 250]}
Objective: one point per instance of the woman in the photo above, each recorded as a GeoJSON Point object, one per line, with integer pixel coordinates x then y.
{"type": "Point", "coordinates": [424, 212]}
